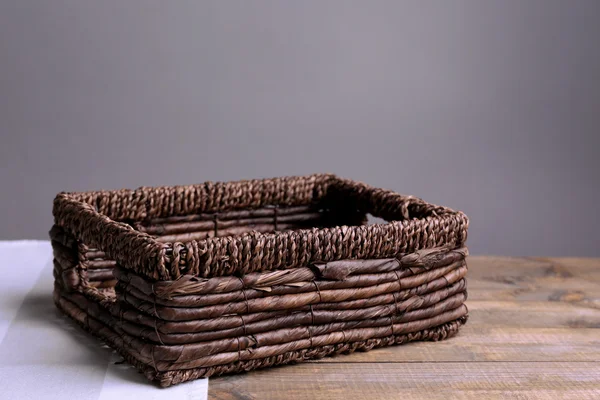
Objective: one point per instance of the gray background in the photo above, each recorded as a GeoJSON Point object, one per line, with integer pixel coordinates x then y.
{"type": "Point", "coordinates": [491, 107]}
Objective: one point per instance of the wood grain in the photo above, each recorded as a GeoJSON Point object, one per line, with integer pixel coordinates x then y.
{"type": "Point", "coordinates": [476, 380]}
{"type": "Point", "coordinates": [533, 332]}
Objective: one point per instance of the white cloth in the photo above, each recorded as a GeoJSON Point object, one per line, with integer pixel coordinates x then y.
{"type": "Point", "coordinates": [44, 355]}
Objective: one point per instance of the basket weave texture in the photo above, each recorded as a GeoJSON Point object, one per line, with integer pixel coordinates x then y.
{"type": "Point", "coordinates": [202, 280]}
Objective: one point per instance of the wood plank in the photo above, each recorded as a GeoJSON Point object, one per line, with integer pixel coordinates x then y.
{"type": "Point", "coordinates": [532, 314]}
{"type": "Point", "coordinates": [475, 380]}
{"type": "Point", "coordinates": [572, 280]}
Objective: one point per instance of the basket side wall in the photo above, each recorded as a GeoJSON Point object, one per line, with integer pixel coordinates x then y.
{"type": "Point", "coordinates": [179, 330]}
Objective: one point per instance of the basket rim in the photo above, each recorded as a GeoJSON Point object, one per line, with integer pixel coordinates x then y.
{"type": "Point", "coordinates": [96, 218]}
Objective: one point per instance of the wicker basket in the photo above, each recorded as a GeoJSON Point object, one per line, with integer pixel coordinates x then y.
{"type": "Point", "coordinates": [195, 281]}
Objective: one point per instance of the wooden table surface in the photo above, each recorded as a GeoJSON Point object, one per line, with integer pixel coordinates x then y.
{"type": "Point", "coordinates": [533, 332]}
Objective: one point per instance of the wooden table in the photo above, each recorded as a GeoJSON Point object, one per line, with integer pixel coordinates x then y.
{"type": "Point", "coordinates": [533, 332]}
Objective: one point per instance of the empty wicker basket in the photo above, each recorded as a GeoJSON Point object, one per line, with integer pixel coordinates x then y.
{"type": "Point", "coordinates": [194, 281]}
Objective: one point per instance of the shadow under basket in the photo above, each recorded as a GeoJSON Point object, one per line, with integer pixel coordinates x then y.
{"type": "Point", "coordinates": [202, 280]}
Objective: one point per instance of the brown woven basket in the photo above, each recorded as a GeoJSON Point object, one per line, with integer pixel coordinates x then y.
{"type": "Point", "coordinates": [195, 281]}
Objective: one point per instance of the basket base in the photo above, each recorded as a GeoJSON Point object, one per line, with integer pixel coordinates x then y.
{"type": "Point", "coordinates": [168, 378]}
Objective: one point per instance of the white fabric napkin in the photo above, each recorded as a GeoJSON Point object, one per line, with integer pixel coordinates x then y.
{"type": "Point", "coordinates": [43, 355]}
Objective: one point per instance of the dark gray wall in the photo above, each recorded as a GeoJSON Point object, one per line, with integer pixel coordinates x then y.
{"type": "Point", "coordinates": [491, 107]}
